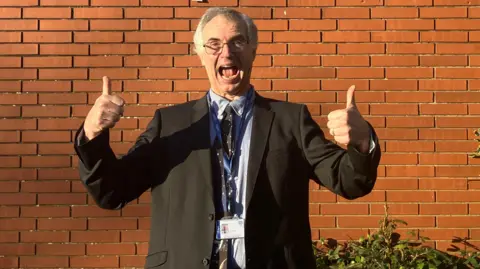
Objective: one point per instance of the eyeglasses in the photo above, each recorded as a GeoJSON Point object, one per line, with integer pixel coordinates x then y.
{"type": "Point", "coordinates": [216, 47]}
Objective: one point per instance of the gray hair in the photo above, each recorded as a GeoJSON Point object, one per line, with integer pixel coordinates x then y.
{"type": "Point", "coordinates": [228, 13]}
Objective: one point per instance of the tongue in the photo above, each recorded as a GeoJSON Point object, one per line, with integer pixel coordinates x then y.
{"type": "Point", "coordinates": [231, 71]}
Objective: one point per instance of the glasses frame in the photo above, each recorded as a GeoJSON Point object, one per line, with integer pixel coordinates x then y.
{"type": "Point", "coordinates": [218, 51]}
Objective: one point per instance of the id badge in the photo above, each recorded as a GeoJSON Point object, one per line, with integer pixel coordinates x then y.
{"type": "Point", "coordinates": [230, 228]}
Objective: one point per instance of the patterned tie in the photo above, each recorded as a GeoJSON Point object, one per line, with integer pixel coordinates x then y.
{"type": "Point", "coordinates": [226, 126]}
{"type": "Point", "coordinates": [227, 131]}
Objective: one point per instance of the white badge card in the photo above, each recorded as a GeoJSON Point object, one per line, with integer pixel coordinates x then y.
{"type": "Point", "coordinates": [230, 228]}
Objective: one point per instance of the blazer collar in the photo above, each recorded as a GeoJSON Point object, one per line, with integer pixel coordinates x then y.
{"type": "Point", "coordinates": [200, 123]}
{"type": "Point", "coordinates": [261, 126]}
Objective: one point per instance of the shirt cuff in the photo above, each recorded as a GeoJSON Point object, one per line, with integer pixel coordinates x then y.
{"type": "Point", "coordinates": [372, 143]}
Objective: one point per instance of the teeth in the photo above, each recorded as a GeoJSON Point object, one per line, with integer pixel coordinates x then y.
{"type": "Point", "coordinates": [226, 71]}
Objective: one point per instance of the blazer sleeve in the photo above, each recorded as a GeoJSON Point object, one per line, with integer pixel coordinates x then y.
{"type": "Point", "coordinates": [348, 173]}
{"type": "Point", "coordinates": [112, 181]}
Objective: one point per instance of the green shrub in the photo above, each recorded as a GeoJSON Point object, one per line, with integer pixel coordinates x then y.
{"type": "Point", "coordinates": [384, 249]}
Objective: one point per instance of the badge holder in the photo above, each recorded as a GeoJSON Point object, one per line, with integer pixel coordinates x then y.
{"type": "Point", "coordinates": [229, 228]}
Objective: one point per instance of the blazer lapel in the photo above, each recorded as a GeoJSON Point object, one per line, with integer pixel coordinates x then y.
{"type": "Point", "coordinates": [201, 135]}
{"type": "Point", "coordinates": [262, 120]}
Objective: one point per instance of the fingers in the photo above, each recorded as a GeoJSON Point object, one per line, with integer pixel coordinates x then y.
{"type": "Point", "coordinates": [106, 123]}
{"type": "Point", "coordinates": [109, 119]}
{"type": "Point", "coordinates": [338, 125]}
{"type": "Point", "coordinates": [117, 100]}
{"type": "Point", "coordinates": [106, 112]}
{"type": "Point", "coordinates": [340, 131]}
{"type": "Point", "coordinates": [341, 121]}
{"type": "Point", "coordinates": [111, 107]}
{"type": "Point", "coordinates": [108, 104]}
{"type": "Point", "coordinates": [335, 124]}
{"type": "Point", "coordinates": [107, 87]}
{"type": "Point", "coordinates": [111, 101]}
{"type": "Point", "coordinates": [341, 134]}
{"type": "Point", "coordinates": [338, 121]}
{"type": "Point", "coordinates": [337, 114]}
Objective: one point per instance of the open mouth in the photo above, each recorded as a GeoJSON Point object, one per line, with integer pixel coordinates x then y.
{"type": "Point", "coordinates": [228, 71]}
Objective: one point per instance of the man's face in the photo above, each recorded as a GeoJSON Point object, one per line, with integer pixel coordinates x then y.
{"type": "Point", "coordinates": [229, 67]}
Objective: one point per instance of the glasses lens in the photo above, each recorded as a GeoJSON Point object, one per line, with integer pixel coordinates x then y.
{"type": "Point", "coordinates": [210, 50]}
{"type": "Point", "coordinates": [235, 46]}
{"type": "Point", "coordinates": [239, 45]}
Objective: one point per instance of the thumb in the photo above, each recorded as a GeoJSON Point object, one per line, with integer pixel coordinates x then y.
{"type": "Point", "coordinates": [351, 97]}
{"type": "Point", "coordinates": [107, 89]}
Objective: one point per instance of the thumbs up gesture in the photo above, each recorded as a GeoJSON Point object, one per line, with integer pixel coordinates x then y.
{"type": "Point", "coordinates": [105, 113]}
{"type": "Point", "coordinates": [348, 127]}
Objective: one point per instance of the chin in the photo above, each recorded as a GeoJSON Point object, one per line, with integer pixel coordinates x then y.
{"type": "Point", "coordinates": [233, 89]}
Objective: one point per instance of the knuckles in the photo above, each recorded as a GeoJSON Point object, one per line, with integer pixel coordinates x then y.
{"type": "Point", "coordinates": [105, 113]}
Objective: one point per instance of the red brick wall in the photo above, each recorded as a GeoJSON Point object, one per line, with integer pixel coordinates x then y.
{"type": "Point", "coordinates": [414, 63]}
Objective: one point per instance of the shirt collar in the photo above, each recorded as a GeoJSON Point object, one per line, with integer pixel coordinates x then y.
{"type": "Point", "coordinates": [219, 103]}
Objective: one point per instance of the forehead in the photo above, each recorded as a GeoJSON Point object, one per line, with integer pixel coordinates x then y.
{"type": "Point", "coordinates": [222, 27]}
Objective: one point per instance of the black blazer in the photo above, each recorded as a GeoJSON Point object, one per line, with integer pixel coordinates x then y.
{"type": "Point", "coordinates": [173, 159]}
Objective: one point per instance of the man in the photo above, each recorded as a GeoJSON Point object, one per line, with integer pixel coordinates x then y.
{"type": "Point", "coordinates": [228, 173]}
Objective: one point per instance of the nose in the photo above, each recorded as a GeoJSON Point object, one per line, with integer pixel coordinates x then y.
{"type": "Point", "coordinates": [226, 52]}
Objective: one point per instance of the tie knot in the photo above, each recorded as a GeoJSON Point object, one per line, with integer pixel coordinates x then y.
{"type": "Point", "coordinates": [228, 110]}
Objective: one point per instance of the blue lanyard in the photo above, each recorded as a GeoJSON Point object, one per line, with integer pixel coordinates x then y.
{"type": "Point", "coordinates": [228, 163]}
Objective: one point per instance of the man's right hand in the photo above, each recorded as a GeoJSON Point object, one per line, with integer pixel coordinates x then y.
{"type": "Point", "coordinates": [105, 113]}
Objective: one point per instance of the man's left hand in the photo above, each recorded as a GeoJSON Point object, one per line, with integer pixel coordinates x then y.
{"type": "Point", "coordinates": [348, 127]}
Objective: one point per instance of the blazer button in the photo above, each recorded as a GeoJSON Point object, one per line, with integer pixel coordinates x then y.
{"type": "Point", "coordinates": [211, 217]}
{"type": "Point", "coordinates": [205, 261]}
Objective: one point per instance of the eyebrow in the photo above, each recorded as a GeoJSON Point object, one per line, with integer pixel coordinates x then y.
{"type": "Point", "coordinates": [235, 37]}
